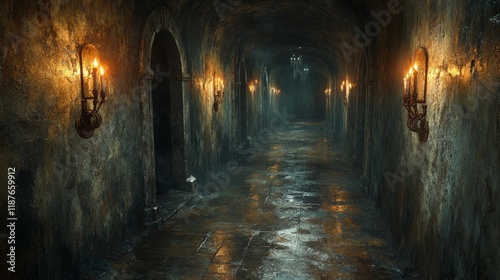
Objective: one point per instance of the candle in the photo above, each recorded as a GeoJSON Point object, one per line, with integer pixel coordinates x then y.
{"type": "Point", "coordinates": [94, 75]}
{"type": "Point", "coordinates": [102, 82]}
{"type": "Point", "coordinates": [404, 81]}
{"type": "Point", "coordinates": [408, 86]}
{"type": "Point", "coordinates": [415, 77]}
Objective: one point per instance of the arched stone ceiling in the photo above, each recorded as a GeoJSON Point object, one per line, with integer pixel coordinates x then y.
{"type": "Point", "coordinates": [274, 30]}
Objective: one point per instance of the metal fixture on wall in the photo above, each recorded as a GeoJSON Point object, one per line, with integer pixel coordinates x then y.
{"type": "Point", "coordinates": [415, 93]}
{"type": "Point", "coordinates": [91, 80]}
{"type": "Point", "coordinates": [218, 93]}
{"type": "Point", "coordinates": [345, 88]}
{"type": "Point", "coordinates": [252, 86]}
{"type": "Point", "coordinates": [275, 90]}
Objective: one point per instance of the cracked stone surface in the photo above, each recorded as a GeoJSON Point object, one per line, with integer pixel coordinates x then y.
{"type": "Point", "coordinates": [295, 211]}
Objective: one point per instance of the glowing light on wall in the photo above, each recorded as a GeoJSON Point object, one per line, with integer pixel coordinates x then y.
{"type": "Point", "coordinates": [92, 79]}
{"type": "Point", "coordinates": [345, 88]}
{"type": "Point", "coordinates": [415, 93]}
{"type": "Point", "coordinates": [200, 83]}
{"type": "Point", "coordinates": [252, 86]}
{"type": "Point", "coordinates": [275, 90]}
{"type": "Point", "coordinates": [218, 93]}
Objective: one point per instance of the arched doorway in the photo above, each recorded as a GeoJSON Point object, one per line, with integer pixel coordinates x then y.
{"type": "Point", "coordinates": [162, 49]}
{"type": "Point", "coordinates": [164, 108]}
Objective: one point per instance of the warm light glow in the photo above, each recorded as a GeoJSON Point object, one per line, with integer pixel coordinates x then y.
{"type": "Point", "coordinates": [201, 83]}
{"type": "Point", "coordinates": [454, 71]}
{"type": "Point", "coordinates": [101, 70]}
{"type": "Point", "coordinates": [346, 84]}
{"type": "Point", "coordinates": [219, 84]}
{"type": "Point", "coordinates": [252, 86]}
{"type": "Point", "coordinates": [328, 91]}
{"type": "Point", "coordinates": [407, 79]}
{"type": "Point", "coordinates": [95, 63]}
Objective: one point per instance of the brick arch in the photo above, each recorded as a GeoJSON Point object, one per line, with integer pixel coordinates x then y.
{"type": "Point", "coordinates": [161, 20]}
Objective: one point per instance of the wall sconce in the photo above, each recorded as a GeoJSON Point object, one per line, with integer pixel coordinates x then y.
{"type": "Point", "coordinates": [275, 90]}
{"type": "Point", "coordinates": [218, 93]}
{"type": "Point", "coordinates": [253, 86]}
{"type": "Point", "coordinates": [345, 88]}
{"type": "Point", "coordinates": [91, 77]}
{"type": "Point", "coordinates": [415, 93]}
{"type": "Point", "coordinates": [328, 91]}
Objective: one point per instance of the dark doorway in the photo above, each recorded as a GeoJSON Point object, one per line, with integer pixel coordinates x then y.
{"type": "Point", "coordinates": [162, 112]}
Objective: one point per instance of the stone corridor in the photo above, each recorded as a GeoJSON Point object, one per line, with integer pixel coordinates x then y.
{"type": "Point", "coordinates": [389, 168]}
{"type": "Point", "coordinates": [294, 211]}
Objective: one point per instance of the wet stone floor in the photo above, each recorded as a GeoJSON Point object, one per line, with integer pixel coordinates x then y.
{"type": "Point", "coordinates": [293, 211]}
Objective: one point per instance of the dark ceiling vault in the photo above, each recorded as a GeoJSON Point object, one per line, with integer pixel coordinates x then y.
{"type": "Point", "coordinates": [273, 30]}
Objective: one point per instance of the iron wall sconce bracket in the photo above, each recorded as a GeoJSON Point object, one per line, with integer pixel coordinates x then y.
{"type": "Point", "coordinates": [218, 93]}
{"type": "Point", "coordinates": [89, 118]}
{"type": "Point", "coordinates": [415, 95]}
{"type": "Point", "coordinates": [345, 88]}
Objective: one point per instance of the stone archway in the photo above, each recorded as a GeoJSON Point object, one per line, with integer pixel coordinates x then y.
{"type": "Point", "coordinates": [171, 69]}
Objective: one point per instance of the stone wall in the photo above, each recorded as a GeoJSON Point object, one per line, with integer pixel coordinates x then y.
{"type": "Point", "coordinates": [440, 196]}
{"type": "Point", "coordinates": [78, 198]}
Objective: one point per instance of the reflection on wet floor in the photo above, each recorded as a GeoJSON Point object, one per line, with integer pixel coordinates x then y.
{"type": "Point", "coordinates": [294, 212]}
